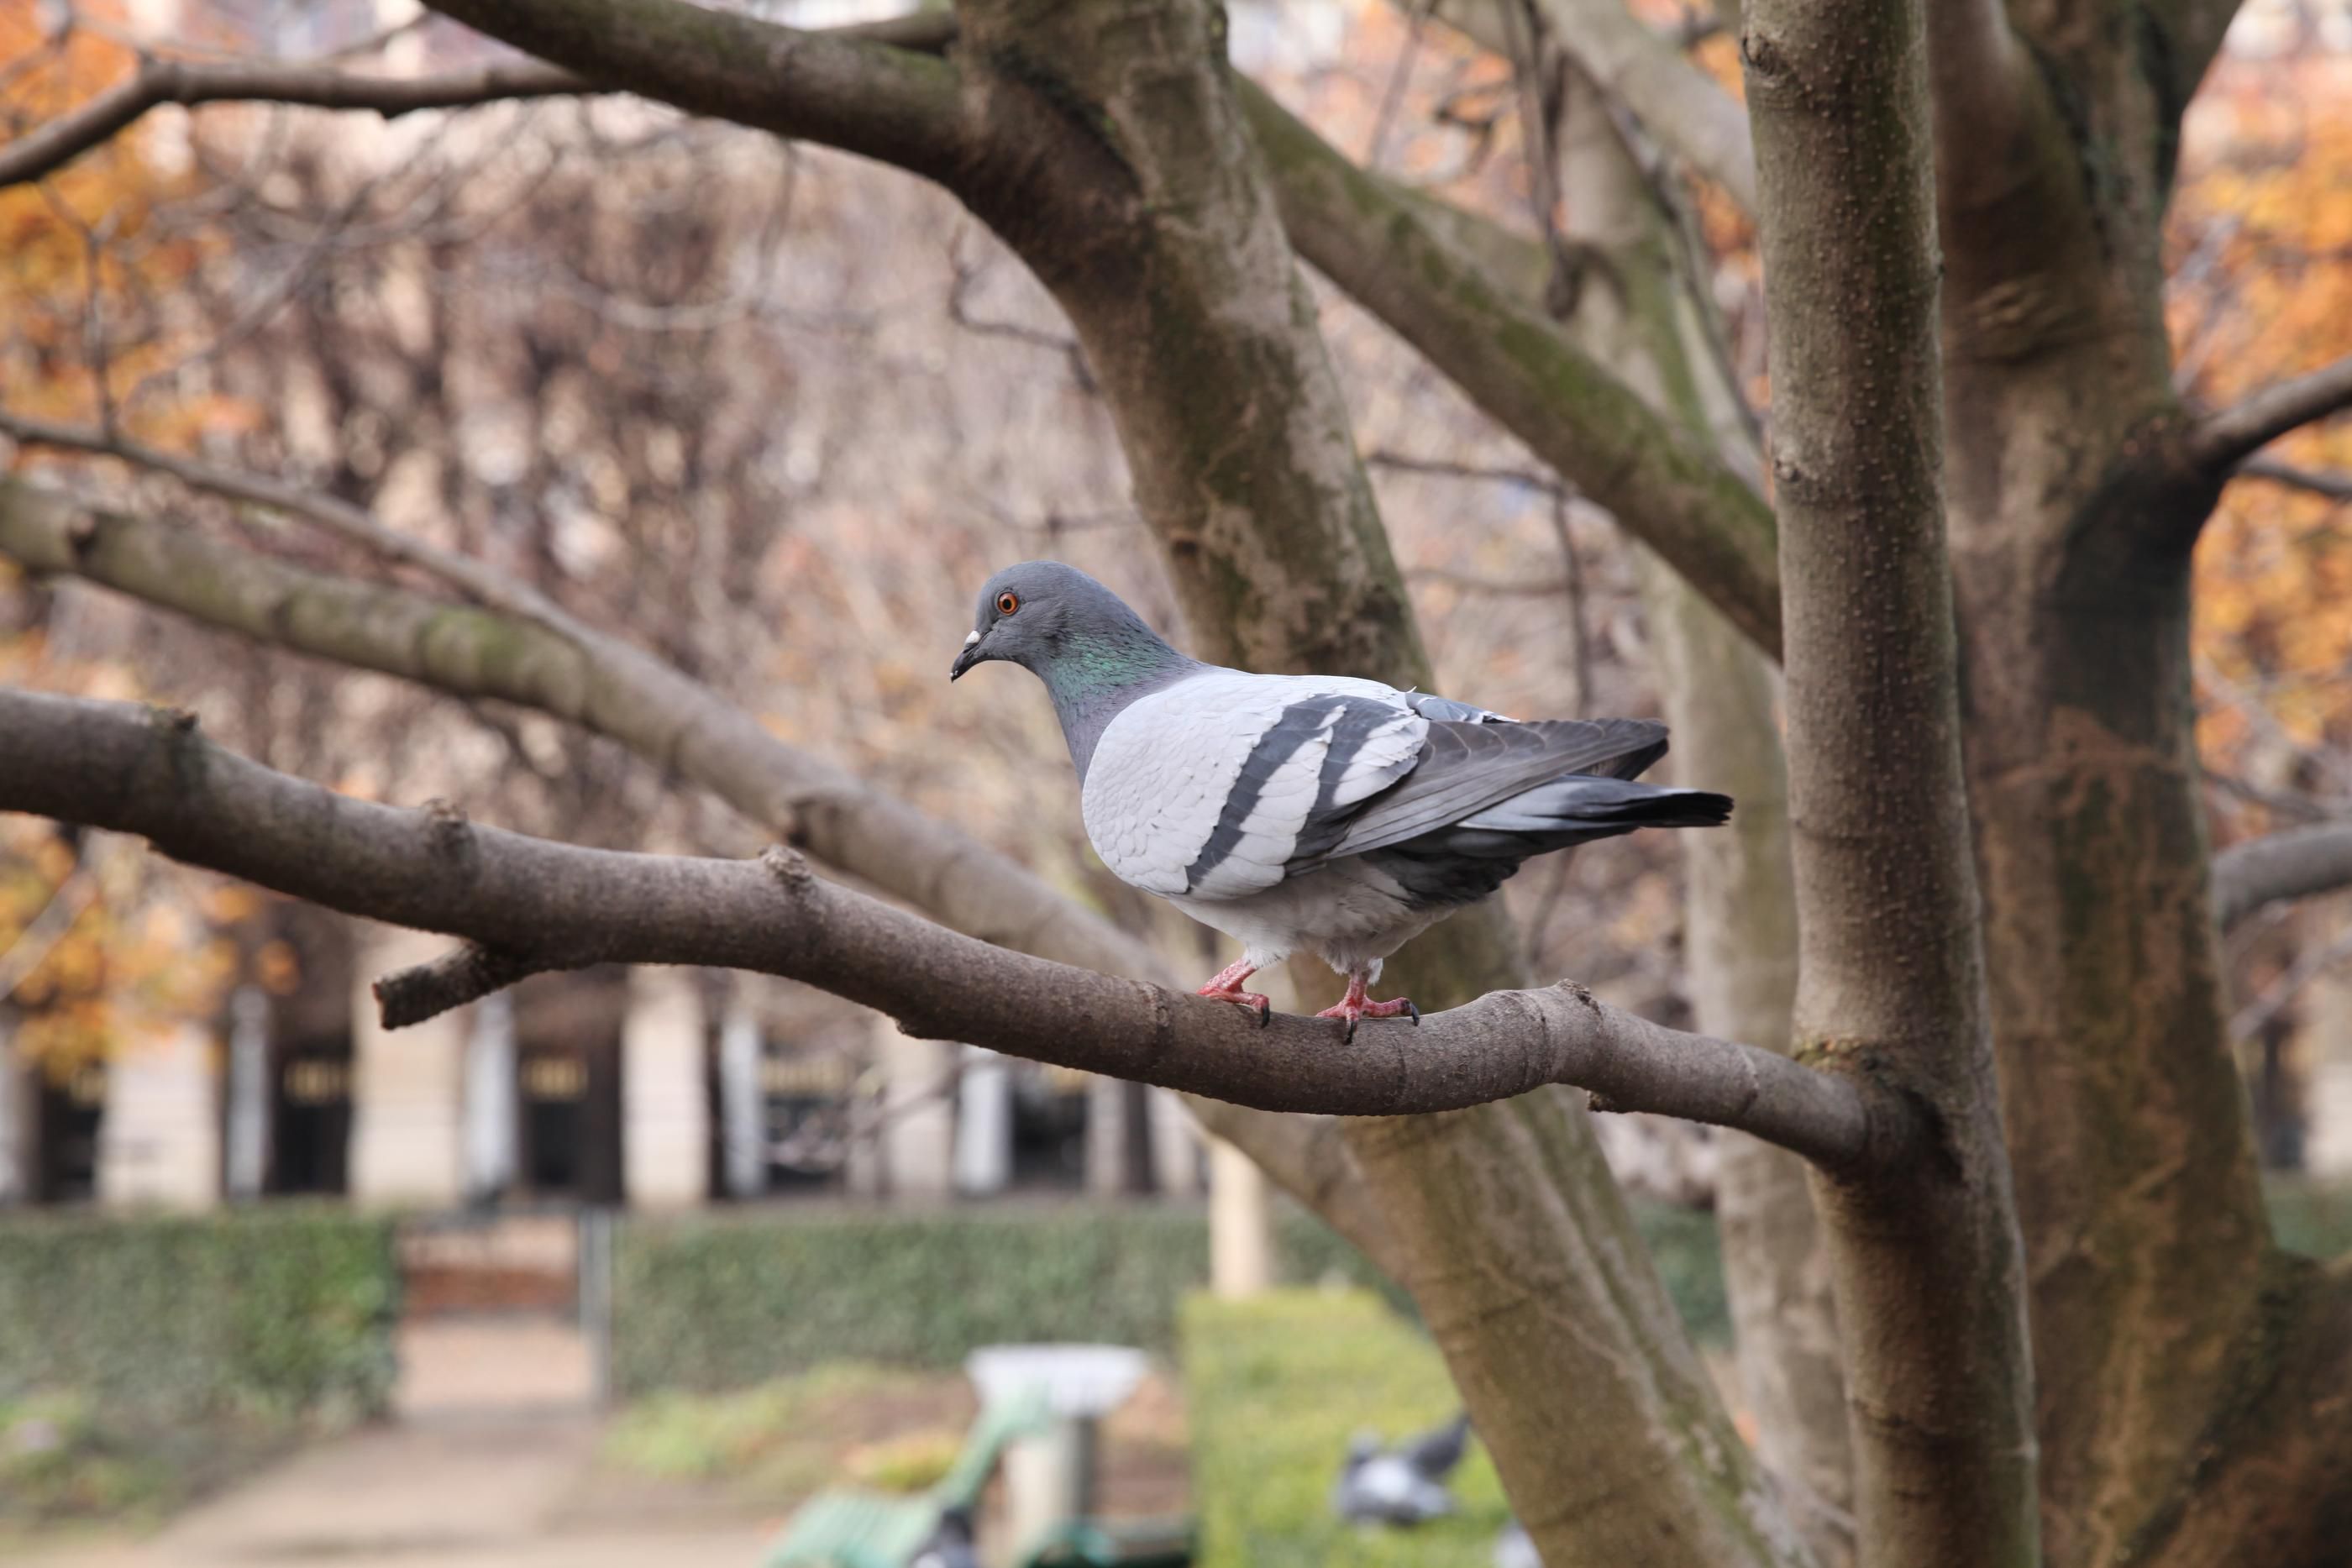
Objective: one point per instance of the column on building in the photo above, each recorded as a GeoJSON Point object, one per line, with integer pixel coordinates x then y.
{"type": "Point", "coordinates": [665, 1095]}
{"type": "Point", "coordinates": [911, 1154]}
{"type": "Point", "coordinates": [743, 1098]}
{"type": "Point", "coordinates": [16, 1103]}
{"type": "Point", "coordinates": [246, 1167]}
{"type": "Point", "coordinates": [983, 1123]}
{"type": "Point", "coordinates": [409, 1090]}
{"type": "Point", "coordinates": [2325, 1048]}
{"type": "Point", "coordinates": [493, 1107]}
{"type": "Point", "coordinates": [160, 1140]}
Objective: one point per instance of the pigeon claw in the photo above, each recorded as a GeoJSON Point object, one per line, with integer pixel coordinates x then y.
{"type": "Point", "coordinates": [1250, 999]}
{"type": "Point", "coordinates": [1354, 1008]}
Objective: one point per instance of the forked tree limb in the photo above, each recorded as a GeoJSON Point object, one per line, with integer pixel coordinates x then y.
{"type": "Point", "coordinates": [525, 904]}
{"type": "Point", "coordinates": [2222, 439]}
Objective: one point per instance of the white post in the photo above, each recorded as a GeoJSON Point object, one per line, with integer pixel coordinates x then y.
{"type": "Point", "coordinates": [1175, 1146]}
{"type": "Point", "coordinates": [2325, 1037]}
{"type": "Point", "coordinates": [665, 1103]}
{"type": "Point", "coordinates": [742, 1099]}
{"type": "Point", "coordinates": [15, 1144]}
{"type": "Point", "coordinates": [920, 1128]}
{"type": "Point", "coordinates": [493, 1099]}
{"type": "Point", "coordinates": [984, 1130]}
{"type": "Point", "coordinates": [248, 1164]}
{"type": "Point", "coordinates": [1241, 1224]}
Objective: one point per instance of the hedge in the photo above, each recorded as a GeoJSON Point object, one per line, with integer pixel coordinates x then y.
{"type": "Point", "coordinates": [268, 1314]}
{"type": "Point", "coordinates": [715, 1301]}
{"type": "Point", "coordinates": [1275, 1386]}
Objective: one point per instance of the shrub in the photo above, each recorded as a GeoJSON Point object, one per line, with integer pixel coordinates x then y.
{"type": "Point", "coordinates": [264, 1314]}
{"type": "Point", "coordinates": [720, 1301]}
{"type": "Point", "coordinates": [1275, 1387]}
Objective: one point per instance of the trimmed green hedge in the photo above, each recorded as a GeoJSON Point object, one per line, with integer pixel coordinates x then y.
{"type": "Point", "coordinates": [718, 1301]}
{"type": "Point", "coordinates": [268, 1314]}
{"type": "Point", "coordinates": [1275, 1386]}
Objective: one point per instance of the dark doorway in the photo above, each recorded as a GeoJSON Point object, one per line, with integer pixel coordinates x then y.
{"type": "Point", "coordinates": [568, 1086]}
{"type": "Point", "coordinates": [311, 1120]}
{"type": "Point", "coordinates": [64, 1139]}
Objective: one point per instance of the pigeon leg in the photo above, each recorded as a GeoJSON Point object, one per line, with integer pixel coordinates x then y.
{"type": "Point", "coordinates": [1355, 1004]}
{"type": "Point", "coordinates": [1225, 986]}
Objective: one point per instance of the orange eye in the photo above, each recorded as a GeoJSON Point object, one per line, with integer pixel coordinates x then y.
{"type": "Point", "coordinates": [1006, 603]}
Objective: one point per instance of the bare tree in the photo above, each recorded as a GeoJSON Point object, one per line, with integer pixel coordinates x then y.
{"type": "Point", "coordinates": [1974, 565]}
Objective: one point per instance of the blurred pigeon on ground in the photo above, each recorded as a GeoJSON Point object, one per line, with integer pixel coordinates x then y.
{"type": "Point", "coordinates": [1515, 1549]}
{"type": "Point", "coordinates": [950, 1545]}
{"type": "Point", "coordinates": [1405, 1485]}
{"type": "Point", "coordinates": [1306, 813]}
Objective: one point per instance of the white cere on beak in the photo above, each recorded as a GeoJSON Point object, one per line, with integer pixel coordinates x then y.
{"type": "Point", "coordinates": [970, 638]}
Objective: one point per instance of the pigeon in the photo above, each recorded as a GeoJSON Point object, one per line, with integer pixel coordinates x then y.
{"type": "Point", "coordinates": [1404, 1486]}
{"type": "Point", "coordinates": [1322, 814]}
{"type": "Point", "coordinates": [950, 1543]}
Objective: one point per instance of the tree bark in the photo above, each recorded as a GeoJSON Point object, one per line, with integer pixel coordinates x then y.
{"type": "Point", "coordinates": [1642, 313]}
{"type": "Point", "coordinates": [1930, 1278]}
{"type": "Point", "coordinates": [2073, 506]}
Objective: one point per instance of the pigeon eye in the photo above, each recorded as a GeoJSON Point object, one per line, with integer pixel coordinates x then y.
{"type": "Point", "coordinates": [1006, 603]}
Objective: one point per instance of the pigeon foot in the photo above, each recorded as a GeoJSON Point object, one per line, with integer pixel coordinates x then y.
{"type": "Point", "coordinates": [1225, 986]}
{"type": "Point", "coordinates": [1356, 1006]}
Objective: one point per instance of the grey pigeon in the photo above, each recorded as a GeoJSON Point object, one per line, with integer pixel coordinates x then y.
{"type": "Point", "coordinates": [950, 1544]}
{"type": "Point", "coordinates": [1306, 813]}
{"type": "Point", "coordinates": [1405, 1485]}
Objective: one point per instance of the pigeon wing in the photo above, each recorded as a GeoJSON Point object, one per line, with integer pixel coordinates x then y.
{"type": "Point", "coordinates": [1211, 788]}
{"type": "Point", "coordinates": [1462, 769]}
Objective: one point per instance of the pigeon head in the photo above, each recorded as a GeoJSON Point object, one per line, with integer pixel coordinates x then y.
{"type": "Point", "coordinates": [1094, 654]}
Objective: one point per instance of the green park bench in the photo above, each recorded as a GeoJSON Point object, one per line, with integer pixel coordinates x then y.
{"type": "Point", "coordinates": [846, 1528]}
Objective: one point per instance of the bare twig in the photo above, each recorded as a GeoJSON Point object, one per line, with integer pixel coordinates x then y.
{"type": "Point", "coordinates": [160, 81]}
{"type": "Point", "coordinates": [2333, 486]}
{"type": "Point", "coordinates": [42, 933]}
{"type": "Point", "coordinates": [525, 904]}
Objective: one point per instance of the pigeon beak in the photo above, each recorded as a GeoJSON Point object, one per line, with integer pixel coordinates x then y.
{"type": "Point", "coordinates": [965, 658]}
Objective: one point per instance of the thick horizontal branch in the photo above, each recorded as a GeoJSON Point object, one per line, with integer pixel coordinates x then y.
{"type": "Point", "coordinates": [573, 674]}
{"type": "Point", "coordinates": [59, 141]}
{"type": "Point", "coordinates": [2224, 438]}
{"type": "Point", "coordinates": [2295, 862]}
{"type": "Point", "coordinates": [1666, 484]}
{"type": "Point", "coordinates": [857, 90]}
{"type": "Point", "coordinates": [531, 904]}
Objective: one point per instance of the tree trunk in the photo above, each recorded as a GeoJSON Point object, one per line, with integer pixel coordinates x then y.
{"type": "Point", "coordinates": [1505, 1223]}
{"type": "Point", "coordinates": [1891, 978]}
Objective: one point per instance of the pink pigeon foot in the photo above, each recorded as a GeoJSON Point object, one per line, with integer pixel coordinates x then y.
{"type": "Point", "coordinates": [1355, 1004]}
{"type": "Point", "coordinates": [1225, 986]}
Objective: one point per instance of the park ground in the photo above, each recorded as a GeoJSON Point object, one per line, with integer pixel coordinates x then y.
{"type": "Point", "coordinates": [497, 1457]}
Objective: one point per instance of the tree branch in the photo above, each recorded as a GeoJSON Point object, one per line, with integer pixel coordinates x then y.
{"type": "Point", "coordinates": [1666, 485]}
{"type": "Point", "coordinates": [2295, 862]}
{"type": "Point", "coordinates": [532, 905]}
{"type": "Point", "coordinates": [57, 142]}
{"type": "Point", "coordinates": [1677, 102]}
{"type": "Point", "coordinates": [468, 575]}
{"type": "Point", "coordinates": [1927, 1262]}
{"type": "Point", "coordinates": [2221, 440]}
{"type": "Point", "coordinates": [613, 689]}
{"type": "Point", "coordinates": [858, 92]}
{"type": "Point", "coordinates": [2335, 486]}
